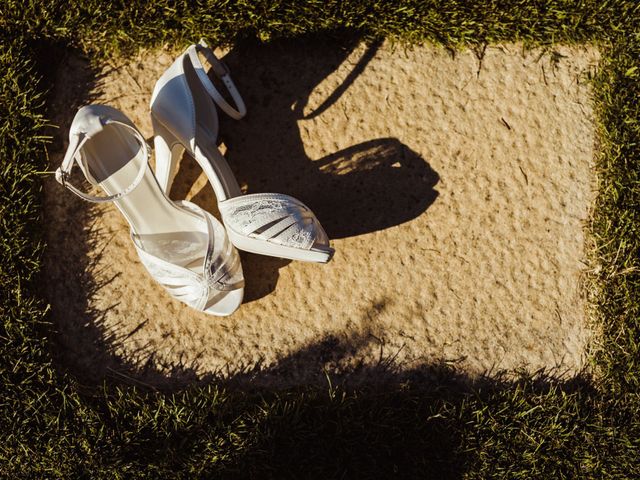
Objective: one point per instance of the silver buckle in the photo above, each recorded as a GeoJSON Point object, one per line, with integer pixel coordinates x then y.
{"type": "Point", "coordinates": [61, 177]}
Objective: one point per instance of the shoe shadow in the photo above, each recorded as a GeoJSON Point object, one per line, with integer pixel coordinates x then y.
{"type": "Point", "coordinates": [367, 187]}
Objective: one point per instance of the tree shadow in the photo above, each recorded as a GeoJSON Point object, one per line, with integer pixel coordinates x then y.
{"type": "Point", "coordinates": [78, 342]}
{"type": "Point", "coordinates": [393, 428]}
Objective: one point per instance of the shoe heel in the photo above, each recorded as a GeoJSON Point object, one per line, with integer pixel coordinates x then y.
{"type": "Point", "coordinates": [168, 152]}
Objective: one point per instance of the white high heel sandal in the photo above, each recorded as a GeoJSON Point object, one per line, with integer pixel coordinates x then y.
{"type": "Point", "coordinates": [184, 116]}
{"type": "Point", "coordinates": [184, 248]}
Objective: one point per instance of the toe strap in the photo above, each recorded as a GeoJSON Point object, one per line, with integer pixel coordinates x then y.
{"type": "Point", "coordinates": [275, 218]}
{"type": "Point", "coordinates": [221, 269]}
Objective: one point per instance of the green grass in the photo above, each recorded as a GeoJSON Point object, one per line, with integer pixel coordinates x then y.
{"type": "Point", "coordinates": [53, 427]}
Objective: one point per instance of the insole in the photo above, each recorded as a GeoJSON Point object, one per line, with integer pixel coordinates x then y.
{"type": "Point", "coordinates": [114, 158]}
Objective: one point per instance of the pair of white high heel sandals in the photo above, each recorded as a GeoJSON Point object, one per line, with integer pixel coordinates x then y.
{"type": "Point", "coordinates": [183, 247]}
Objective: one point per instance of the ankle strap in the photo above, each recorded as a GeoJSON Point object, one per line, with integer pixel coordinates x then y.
{"type": "Point", "coordinates": [222, 72]}
{"type": "Point", "coordinates": [73, 151]}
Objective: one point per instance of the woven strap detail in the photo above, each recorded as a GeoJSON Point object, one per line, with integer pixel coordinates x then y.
{"type": "Point", "coordinates": [272, 217]}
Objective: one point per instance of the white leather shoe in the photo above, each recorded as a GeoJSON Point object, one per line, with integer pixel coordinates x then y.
{"type": "Point", "coordinates": [183, 248]}
{"type": "Point", "coordinates": [183, 110]}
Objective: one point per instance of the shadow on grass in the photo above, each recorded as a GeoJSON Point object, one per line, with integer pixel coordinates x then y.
{"type": "Point", "coordinates": [308, 416]}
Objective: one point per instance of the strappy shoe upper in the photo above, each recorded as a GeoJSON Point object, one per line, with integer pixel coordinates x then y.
{"type": "Point", "coordinates": [183, 102]}
{"type": "Point", "coordinates": [198, 266]}
{"type": "Point", "coordinates": [274, 217]}
{"type": "Point", "coordinates": [220, 272]}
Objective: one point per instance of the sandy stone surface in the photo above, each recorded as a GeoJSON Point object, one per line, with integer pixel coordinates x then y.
{"type": "Point", "coordinates": [455, 192]}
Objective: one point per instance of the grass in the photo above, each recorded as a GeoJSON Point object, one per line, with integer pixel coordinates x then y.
{"type": "Point", "coordinates": [53, 427]}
